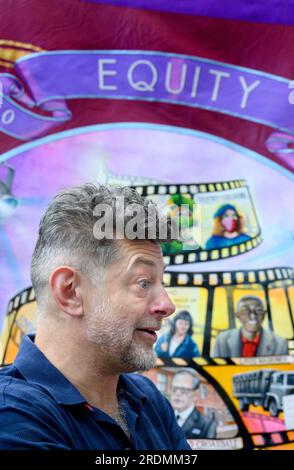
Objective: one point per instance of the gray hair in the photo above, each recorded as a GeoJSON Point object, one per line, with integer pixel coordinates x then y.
{"type": "Point", "coordinates": [193, 374]}
{"type": "Point", "coordinates": [249, 298]}
{"type": "Point", "coordinates": [66, 230]}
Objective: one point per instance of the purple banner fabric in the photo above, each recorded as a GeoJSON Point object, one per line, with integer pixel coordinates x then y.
{"type": "Point", "coordinates": [261, 11]}
{"type": "Point", "coordinates": [53, 77]}
{"type": "Point", "coordinates": [20, 122]}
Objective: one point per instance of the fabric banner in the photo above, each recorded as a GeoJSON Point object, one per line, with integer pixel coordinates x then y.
{"type": "Point", "coordinates": [190, 103]}
{"type": "Point", "coordinates": [147, 76]}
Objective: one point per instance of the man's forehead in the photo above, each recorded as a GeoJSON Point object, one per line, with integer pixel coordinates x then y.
{"type": "Point", "coordinates": [182, 378]}
{"type": "Point", "coordinates": [249, 302]}
{"type": "Point", "coordinates": [138, 253]}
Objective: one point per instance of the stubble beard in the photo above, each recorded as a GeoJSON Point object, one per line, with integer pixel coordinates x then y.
{"type": "Point", "coordinates": [115, 340]}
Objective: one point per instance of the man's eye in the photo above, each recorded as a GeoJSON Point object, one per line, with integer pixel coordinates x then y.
{"type": "Point", "coordinates": [144, 283]}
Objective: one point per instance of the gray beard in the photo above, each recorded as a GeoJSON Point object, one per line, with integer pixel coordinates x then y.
{"type": "Point", "coordinates": [114, 341]}
{"type": "Point", "coordinates": [138, 360]}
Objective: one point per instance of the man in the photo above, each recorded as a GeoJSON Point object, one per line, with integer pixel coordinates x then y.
{"type": "Point", "coordinates": [251, 340]}
{"type": "Point", "coordinates": [100, 303]}
{"type": "Point", "coordinates": [183, 398]}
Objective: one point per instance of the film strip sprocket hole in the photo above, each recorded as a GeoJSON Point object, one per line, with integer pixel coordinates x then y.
{"type": "Point", "coordinates": [219, 220]}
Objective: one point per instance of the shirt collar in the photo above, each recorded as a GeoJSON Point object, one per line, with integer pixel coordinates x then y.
{"type": "Point", "coordinates": [255, 340]}
{"type": "Point", "coordinates": [35, 367]}
{"type": "Point", "coordinates": [184, 414]}
{"type": "Point", "coordinates": [134, 392]}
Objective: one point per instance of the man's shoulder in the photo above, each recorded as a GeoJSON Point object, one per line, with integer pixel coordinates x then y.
{"type": "Point", "coordinates": [16, 392]}
{"type": "Point", "coordinates": [28, 411]}
{"type": "Point", "coordinates": [270, 336]}
{"type": "Point", "coordinates": [10, 379]}
{"type": "Point", "coordinates": [7, 371]}
{"type": "Point", "coordinates": [223, 335]}
{"type": "Point", "coordinates": [200, 417]}
{"type": "Point", "coordinates": [30, 418]}
{"type": "Point", "coordinates": [197, 420]}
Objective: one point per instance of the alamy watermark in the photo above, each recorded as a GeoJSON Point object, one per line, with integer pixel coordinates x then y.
{"type": "Point", "coordinates": [133, 221]}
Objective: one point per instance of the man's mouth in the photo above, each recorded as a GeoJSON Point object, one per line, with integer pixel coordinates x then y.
{"type": "Point", "coordinates": [176, 401]}
{"type": "Point", "coordinates": [148, 333]}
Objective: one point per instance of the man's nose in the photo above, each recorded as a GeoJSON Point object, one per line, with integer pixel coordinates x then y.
{"type": "Point", "coordinates": [163, 305]}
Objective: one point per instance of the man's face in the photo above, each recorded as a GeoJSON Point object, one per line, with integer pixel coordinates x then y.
{"type": "Point", "coordinates": [126, 310]}
{"type": "Point", "coordinates": [251, 315]}
{"type": "Point", "coordinates": [182, 396]}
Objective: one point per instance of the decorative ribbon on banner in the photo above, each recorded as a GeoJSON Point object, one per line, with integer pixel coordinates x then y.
{"type": "Point", "coordinates": [53, 77]}
{"type": "Point", "coordinates": [22, 123]}
{"type": "Point", "coordinates": [282, 144]}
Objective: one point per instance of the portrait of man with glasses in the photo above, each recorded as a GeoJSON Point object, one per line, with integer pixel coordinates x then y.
{"type": "Point", "coordinates": [184, 390]}
{"type": "Point", "coordinates": [251, 339]}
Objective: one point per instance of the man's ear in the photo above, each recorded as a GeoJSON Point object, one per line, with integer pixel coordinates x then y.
{"type": "Point", "coordinates": [65, 286]}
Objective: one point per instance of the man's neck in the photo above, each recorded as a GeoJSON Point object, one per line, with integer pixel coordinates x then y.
{"type": "Point", "coordinates": [183, 415]}
{"type": "Point", "coordinates": [96, 384]}
{"type": "Point", "coordinates": [250, 335]}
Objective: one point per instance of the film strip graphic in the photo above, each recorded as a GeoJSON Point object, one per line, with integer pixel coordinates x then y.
{"type": "Point", "coordinates": [189, 188]}
{"type": "Point", "coordinates": [25, 296]}
{"type": "Point", "coordinates": [218, 361]}
{"type": "Point", "coordinates": [16, 327]}
{"type": "Point", "coordinates": [267, 281]}
{"type": "Point", "coordinates": [211, 197]}
{"type": "Point", "coordinates": [226, 278]}
{"type": "Point", "coordinates": [271, 439]}
{"type": "Point", "coordinates": [248, 422]}
{"type": "Point", "coordinates": [17, 322]}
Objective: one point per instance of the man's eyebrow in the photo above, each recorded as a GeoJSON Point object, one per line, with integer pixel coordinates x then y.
{"type": "Point", "coordinates": [144, 261]}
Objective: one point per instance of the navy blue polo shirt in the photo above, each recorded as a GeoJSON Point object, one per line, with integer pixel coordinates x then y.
{"type": "Point", "coordinates": [41, 409]}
